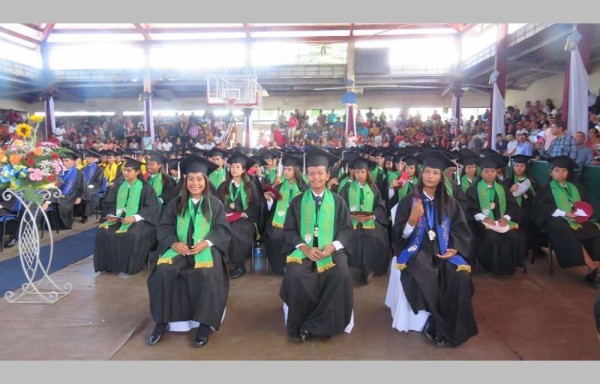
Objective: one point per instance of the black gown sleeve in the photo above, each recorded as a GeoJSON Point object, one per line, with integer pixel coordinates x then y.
{"type": "Point", "coordinates": [460, 235]}
{"type": "Point", "coordinates": [166, 230]}
{"type": "Point", "coordinates": [220, 232]}
{"type": "Point", "coordinates": [148, 208]}
{"type": "Point", "coordinates": [400, 220]}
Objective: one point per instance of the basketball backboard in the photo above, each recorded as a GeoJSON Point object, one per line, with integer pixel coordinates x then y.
{"type": "Point", "coordinates": [242, 91]}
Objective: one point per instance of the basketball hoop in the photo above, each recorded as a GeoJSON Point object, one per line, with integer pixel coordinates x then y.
{"type": "Point", "coordinates": [230, 101]}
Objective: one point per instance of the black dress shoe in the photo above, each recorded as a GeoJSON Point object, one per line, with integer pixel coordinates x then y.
{"type": "Point", "coordinates": [84, 220]}
{"type": "Point", "coordinates": [202, 336]}
{"type": "Point", "coordinates": [592, 277]}
{"type": "Point", "coordinates": [305, 335]}
{"type": "Point", "coordinates": [10, 243]}
{"type": "Point", "coordinates": [441, 342]}
{"type": "Point", "coordinates": [237, 272]}
{"type": "Point", "coordinates": [365, 277]}
{"type": "Point", "coordinates": [428, 331]}
{"type": "Point", "coordinates": [159, 330]}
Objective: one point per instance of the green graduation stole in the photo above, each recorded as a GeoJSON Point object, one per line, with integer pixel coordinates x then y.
{"type": "Point", "coordinates": [564, 199]}
{"type": "Point", "coordinates": [375, 173]}
{"type": "Point", "coordinates": [465, 183]}
{"type": "Point", "coordinates": [448, 185]}
{"type": "Point", "coordinates": [156, 183]}
{"type": "Point", "coordinates": [405, 190]}
{"type": "Point", "coordinates": [288, 191]}
{"type": "Point", "coordinates": [240, 192]}
{"type": "Point", "coordinates": [307, 227]}
{"type": "Point", "coordinates": [343, 182]}
{"type": "Point", "coordinates": [486, 199]}
{"type": "Point", "coordinates": [272, 174]}
{"type": "Point", "coordinates": [217, 177]}
{"type": "Point", "coordinates": [354, 199]}
{"type": "Point", "coordinates": [392, 176]}
{"type": "Point", "coordinates": [201, 228]}
{"type": "Point", "coordinates": [128, 203]}
{"type": "Point", "coordinates": [520, 197]}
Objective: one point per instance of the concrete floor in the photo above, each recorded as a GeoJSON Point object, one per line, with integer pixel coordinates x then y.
{"type": "Point", "coordinates": [533, 316]}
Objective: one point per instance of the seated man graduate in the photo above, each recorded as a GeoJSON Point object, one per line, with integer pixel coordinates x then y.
{"type": "Point", "coordinates": [317, 284]}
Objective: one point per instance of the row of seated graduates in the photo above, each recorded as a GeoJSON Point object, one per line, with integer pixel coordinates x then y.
{"type": "Point", "coordinates": [495, 253]}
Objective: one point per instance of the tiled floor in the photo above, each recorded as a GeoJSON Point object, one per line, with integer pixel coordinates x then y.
{"type": "Point", "coordinates": [534, 316]}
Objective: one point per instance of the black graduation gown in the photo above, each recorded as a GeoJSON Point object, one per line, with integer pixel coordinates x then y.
{"type": "Point", "coordinates": [433, 284]}
{"type": "Point", "coordinates": [369, 249]}
{"type": "Point", "coordinates": [273, 237]}
{"type": "Point", "coordinates": [170, 190]}
{"type": "Point", "coordinates": [565, 241]}
{"type": "Point", "coordinates": [90, 195]}
{"type": "Point", "coordinates": [260, 184]}
{"type": "Point", "coordinates": [499, 253]}
{"type": "Point", "coordinates": [177, 291]}
{"type": "Point", "coordinates": [320, 303]}
{"type": "Point", "coordinates": [64, 204]}
{"type": "Point", "coordinates": [127, 252]}
{"type": "Point", "coordinates": [532, 233]}
{"type": "Point", "coordinates": [243, 230]}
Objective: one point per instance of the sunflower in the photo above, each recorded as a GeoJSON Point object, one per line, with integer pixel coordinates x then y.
{"type": "Point", "coordinates": [24, 130]}
{"type": "Point", "coordinates": [36, 118]}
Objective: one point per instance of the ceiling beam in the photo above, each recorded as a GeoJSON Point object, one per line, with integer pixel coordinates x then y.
{"type": "Point", "coordinates": [34, 26]}
{"type": "Point", "coordinates": [523, 52]}
{"type": "Point", "coordinates": [143, 31]}
{"type": "Point", "coordinates": [19, 36]}
{"type": "Point", "coordinates": [47, 31]}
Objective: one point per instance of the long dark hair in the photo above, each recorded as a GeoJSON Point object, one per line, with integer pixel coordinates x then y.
{"type": "Point", "coordinates": [182, 203]}
{"type": "Point", "coordinates": [369, 179]}
{"type": "Point", "coordinates": [441, 197]}
{"type": "Point", "coordinates": [298, 177]}
{"type": "Point", "coordinates": [247, 187]}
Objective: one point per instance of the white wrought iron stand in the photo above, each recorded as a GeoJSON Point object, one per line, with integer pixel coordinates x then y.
{"type": "Point", "coordinates": [44, 290]}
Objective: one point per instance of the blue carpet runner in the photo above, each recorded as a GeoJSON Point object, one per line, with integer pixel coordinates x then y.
{"type": "Point", "coordinates": [66, 251]}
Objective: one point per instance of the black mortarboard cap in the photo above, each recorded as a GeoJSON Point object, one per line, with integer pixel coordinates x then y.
{"type": "Point", "coordinates": [562, 161]}
{"type": "Point", "coordinates": [69, 155]}
{"type": "Point", "coordinates": [436, 159]}
{"type": "Point", "coordinates": [469, 160]}
{"type": "Point", "coordinates": [361, 163]}
{"type": "Point", "coordinates": [267, 154]}
{"type": "Point", "coordinates": [157, 157]}
{"type": "Point", "coordinates": [521, 159]}
{"type": "Point", "coordinates": [316, 157]}
{"type": "Point", "coordinates": [196, 164]}
{"type": "Point", "coordinates": [292, 161]}
{"type": "Point", "coordinates": [258, 160]}
{"type": "Point", "coordinates": [410, 160]}
{"type": "Point", "coordinates": [108, 152]}
{"type": "Point", "coordinates": [91, 153]}
{"type": "Point", "coordinates": [217, 152]}
{"type": "Point", "coordinates": [132, 163]}
{"type": "Point", "coordinates": [240, 158]}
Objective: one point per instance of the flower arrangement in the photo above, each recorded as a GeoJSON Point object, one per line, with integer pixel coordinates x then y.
{"type": "Point", "coordinates": [26, 165]}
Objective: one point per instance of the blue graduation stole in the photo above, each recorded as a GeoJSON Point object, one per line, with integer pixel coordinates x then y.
{"type": "Point", "coordinates": [442, 235]}
{"type": "Point", "coordinates": [69, 181]}
{"type": "Point", "coordinates": [89, 171]}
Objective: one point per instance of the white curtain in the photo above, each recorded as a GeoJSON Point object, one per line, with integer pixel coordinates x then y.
{"type": "Point", "coordinates": [497, 115]}
{"type": "Point", "coordinates": [578, 94]}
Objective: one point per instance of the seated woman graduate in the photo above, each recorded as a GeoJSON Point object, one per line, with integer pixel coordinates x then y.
{"type": "Point", "coordinates": [242, 207]}
{"type": "Point", "coordinates": [494, 214]}
{"type": "Point", "coordinates": [574, 239]}
{"type": "Point", "coordinates": [124, 240]}
{"type": "Point", "coordinates": [276, 211]}
{"type": "Point", "coordinates": [94, 182]}
{"type": "Point", "coordinates": [470, 171]}
{"type": "Point", "coordinates": [189, 285]}
{"type": "Point", "coordinates": [317, 285]}
{"type": "Point", "coordinates": [164, 186]}
{"type": "Point", "coordinates": [523, 188]}
{"type": "Point", "coordinates": [431, 272]}
{"type": "Point", "coordinates": [398, 189]}
{"type": "Point", "coordinates": [369, 246]}
{"type": "Point", "coordinates": [72, 190]}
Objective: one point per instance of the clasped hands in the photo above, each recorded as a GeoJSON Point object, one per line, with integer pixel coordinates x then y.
{"type": "Point", "coordinates": [183, 249]}
{"type": "Point", "coordinates": [502, 222]}
{"type": "Point", "coordinates": [363, 218]}
{"type": "Point", "coordinates": [315, 254]}
{"type": "Point", "coordinates": [126, 220]}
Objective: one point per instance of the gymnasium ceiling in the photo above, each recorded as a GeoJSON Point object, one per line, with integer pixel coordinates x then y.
{"type": "Point", "coordinates": [532, 57]}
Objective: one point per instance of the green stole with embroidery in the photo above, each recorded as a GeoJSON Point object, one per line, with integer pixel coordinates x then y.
{"type": "Point", "coordinates": [308, 222]}
{"type": "Point", "coordinates": [288, 192]}
{"type": "Point", "coordinates": [201, 228]}
{"type": "Point", "coordinates": [564, 199]}
{"type": "Point", "coordinates": [486, 198]}
{"type": "Point", "coordinates": [354, 200]}
{"type": "Point", "coordinates": [128, 202]}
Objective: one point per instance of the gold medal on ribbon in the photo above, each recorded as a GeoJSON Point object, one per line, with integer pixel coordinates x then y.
{"type": "Point", "coordinates": [493, 205]}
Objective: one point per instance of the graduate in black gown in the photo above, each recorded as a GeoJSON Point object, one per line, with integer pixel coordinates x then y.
{"type": "Point", "coordinates": [523, 188]}
{"type": "Point", "coordinates": [276, 211]}
{"type": "Point", "coordinates": [260, 181]}
{"type": "Point", "coordinates": [575, 244]}
{"type": "Point", "coordinates": [190, 281]}
{"type": "Point", "coordinates": [491, 202]}
{"type": "Point", "coordinates": [72, 189]}
{"type": "Point", "coordinates": [434, 237]}
{"type": "Point", "coordinates": [242, 205]}
{"type": "Point", "coordinates": [164, 186]}
{"type": "Point", "coordinates": [317, 284]}
{"type": "Point", "coordinates": [369, 246]}
{"type": "Point", "coordinates": [94, 182]}
{"type": "Point", "coordinates": [124, 240]}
